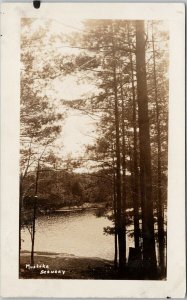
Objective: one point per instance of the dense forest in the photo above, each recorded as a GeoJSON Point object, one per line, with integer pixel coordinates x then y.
{"type": "Point", "coordinates": [124, 170]}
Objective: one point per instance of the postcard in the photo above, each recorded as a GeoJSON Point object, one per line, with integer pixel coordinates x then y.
{"type": "Point", "coordinates": [93, 133]}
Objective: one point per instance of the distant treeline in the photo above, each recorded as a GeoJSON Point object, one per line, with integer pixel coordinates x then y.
{"type": "Point", "coordinates": [62, 188]}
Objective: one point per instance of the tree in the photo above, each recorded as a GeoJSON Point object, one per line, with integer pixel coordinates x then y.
{"type": "Point", "coordinates": [115, 53]}
{"type": "Point", "coordinates": [39, 120]}
{"type": "Point", "coordinates": [149, 255]}
{"type": "Point", "coordinates": [135, 194]}
{"type": "Point", "coordinates": [160, 131]}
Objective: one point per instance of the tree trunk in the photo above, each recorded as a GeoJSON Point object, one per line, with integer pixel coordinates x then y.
{"type": "Point", "coordinates": [124, 185]}
{"type": "Point", "coordinates": [34, 215]}
{"type": "Point", "coordinates": [115, 221]}
{"type": "Point", "coordinates": [135, 193]}
{"type": "Point", "coordinates": [149, 254]}
{"type": "Point", "coordinates": [120, 229]}
{"type": "Point", "coordinates": [160, 212]}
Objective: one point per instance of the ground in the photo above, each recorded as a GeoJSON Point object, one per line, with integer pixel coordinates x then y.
{"type": "Point", "coordinates": [65, 266]}
{"type": "Point", "coordinates": [74, 267]}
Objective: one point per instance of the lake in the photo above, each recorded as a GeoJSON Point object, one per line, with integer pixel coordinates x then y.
{"type": "Point", "coordinates": [78, 233]}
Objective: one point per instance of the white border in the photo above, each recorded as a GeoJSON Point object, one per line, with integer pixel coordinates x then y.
{"type": "Point", "coordinates": [11, 286]}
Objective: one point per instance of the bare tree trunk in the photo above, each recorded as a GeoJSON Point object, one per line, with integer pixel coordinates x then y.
{"type": "Point", "coordinates": [121, 235]}
{"type": "Point", "coordinates": [34, 215]}
{"type": "Point", "coordinates": [149, 254]}
{"type": "Point", "coordinates": [115, 214]}
{"type": "Point", "coordinates": [135, 193]}
{"type": "Point", "coordinates": [160, 210]}
{"type": "Point", "coordinates": [124, 185]}
{"type": "Point", "coordinates": [115, 221]}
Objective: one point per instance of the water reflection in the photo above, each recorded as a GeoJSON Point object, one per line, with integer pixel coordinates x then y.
{"type": "Point", "coordinates": [77, 233]}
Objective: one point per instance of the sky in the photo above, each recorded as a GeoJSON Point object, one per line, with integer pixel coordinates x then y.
{"type": "Point", "coordinates": [77, 128]}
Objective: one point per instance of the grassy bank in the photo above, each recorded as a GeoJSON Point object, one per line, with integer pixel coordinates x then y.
{"type": "Point", "coordinates": [66, 267]}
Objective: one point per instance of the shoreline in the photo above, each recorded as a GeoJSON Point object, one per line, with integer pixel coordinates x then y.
{"type": "Point", "coordinates": [63, 266]}
{"type": "Point", "coordinates": [51, 265]}
{"type": "Point", "coordinates": [26, 253]}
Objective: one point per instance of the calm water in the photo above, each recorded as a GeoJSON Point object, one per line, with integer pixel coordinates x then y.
{"type": "Point", "coordinates": [78, 233]}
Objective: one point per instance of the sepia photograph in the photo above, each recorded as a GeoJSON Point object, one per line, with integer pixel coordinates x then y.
{"type": "Point", "coordinates": [94, 97]}
{"type": "Point", "coordinates": [93, 150]}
